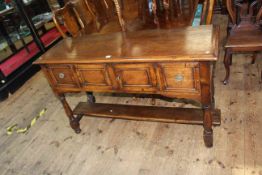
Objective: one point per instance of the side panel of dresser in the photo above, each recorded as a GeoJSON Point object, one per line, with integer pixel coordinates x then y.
{"type": "Point", "coordinates": [172, 79]}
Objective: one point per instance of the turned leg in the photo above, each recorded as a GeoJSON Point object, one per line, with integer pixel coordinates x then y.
{"type": "Point", "coordinates": [74, 121]}
{"type": "Point", "coordinates": [227, 58]}
{"type": "Point", "coordinates": [206, 77]}
{"type": "Point", "coordinates": [120, 15]}
{"type": "Point", "coordinates": [90, 97]}
{"type": "Point", "coordinates": [208, 132]}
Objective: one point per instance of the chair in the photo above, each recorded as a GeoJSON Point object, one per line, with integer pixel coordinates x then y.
{"type": "Point", "coordinates": [245, 34]}
{"type": "Point", "coordinates": [71, 19]}
{"type": "Point", "coordinates": [207, 12]}
{"type": "Point", "coordinates": [177, 13]}
{"type": "Point", "coordinates": [75, 14]}
{"type": "Point", "coordinates": [102, 8]}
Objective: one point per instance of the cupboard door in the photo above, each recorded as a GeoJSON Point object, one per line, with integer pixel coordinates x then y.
{"type": "Point", "coordinates": [94, 77]}
{"type": "Point", "coordinates": [62, 76]}
{"type": "Point", "coordinates": [180, 77]}
{"type": "Point", "coordinates": [136, 77]}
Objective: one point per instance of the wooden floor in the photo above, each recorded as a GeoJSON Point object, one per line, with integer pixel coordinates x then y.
{"type": "Point", "coordinates": [122, 147]}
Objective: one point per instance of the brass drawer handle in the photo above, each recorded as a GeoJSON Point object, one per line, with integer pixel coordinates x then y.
{"type": "Point", "coordinates": [179, 77]}
{"type": "Point", "coordinates": [61, 75]}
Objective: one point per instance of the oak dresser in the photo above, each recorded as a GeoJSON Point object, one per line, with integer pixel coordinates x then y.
{"type": "Point", "coordinates": [175, 63]}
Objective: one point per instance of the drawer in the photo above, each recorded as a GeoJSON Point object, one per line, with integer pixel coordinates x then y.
{"type": "Point", "coordinates": [180, 77]}
{"type": "Point", "coordinates": [62, 76]}
{"type": "Point", "coordinates": [136, 77]}
{"type": "Point", "coordinates": [94, 77]}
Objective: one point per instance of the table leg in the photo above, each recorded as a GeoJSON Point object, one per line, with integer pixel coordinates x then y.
{"type": "Point", "coordinates": [208, 132]}
{"type": "Point", "coordinates": [206, 100]}
{"type": "Point", "coordinates": [227, 60]}
{"type": "Point", "coordinates": [74, 121]}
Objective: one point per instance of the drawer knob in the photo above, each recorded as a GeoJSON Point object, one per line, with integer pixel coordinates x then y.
{"type": "Point", "coordinates": [61, 75]}
{"type": "Point", "coordinates": [179, 77]}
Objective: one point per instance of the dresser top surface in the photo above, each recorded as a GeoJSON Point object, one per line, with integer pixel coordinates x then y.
{"type": "Point", "coordinates": [183, 44]}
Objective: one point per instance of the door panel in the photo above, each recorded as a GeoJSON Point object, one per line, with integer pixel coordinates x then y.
{"type": "Point", "coordinates": [94, 77]}
{"type": "Point", "coordinates": [63, 76]}
{"type": "Point", "coordinates": [183, 77]}
{"type": "Point", "coordinates": [136, 77]}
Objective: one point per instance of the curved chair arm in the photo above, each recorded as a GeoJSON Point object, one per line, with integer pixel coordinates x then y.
{"type": "Point", "coordinates": [58, 26]}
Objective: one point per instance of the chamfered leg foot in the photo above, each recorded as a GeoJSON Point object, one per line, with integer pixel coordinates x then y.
{"type": "Point", "coordinates": [75, 125]}
{"type": "Point", "coordinates": [208, 137]}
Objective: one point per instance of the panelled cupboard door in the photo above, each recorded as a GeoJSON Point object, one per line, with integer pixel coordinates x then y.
{"type": "Point", "coordinates": [62, 76]}
{"type": "Point", "coordinates": [94, 77]}
{"type": "Point", "coordinates": [136, 77]}
{"type": "Point", "coordinates": [180, 77]}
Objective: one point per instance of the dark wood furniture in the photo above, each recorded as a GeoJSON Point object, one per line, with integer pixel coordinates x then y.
{"type": "Point", "coordinates": [172, 63]}
{"type": "Point", "coordinates": [245, 34]}
{"type": "Point", "coordinates": [71, 20]}
{"type": "Point", "coordinates": [76, 16]}
{"type": "Point", "coordinates": [175, 13]}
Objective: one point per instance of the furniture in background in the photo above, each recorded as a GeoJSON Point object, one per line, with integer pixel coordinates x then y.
{"type": "Point", "coordinates": [126, 65]}
{"type": "Point", "coordinates": [76, 21]}
{"type": "Point", "coordinates": [3, 28]}
{"type": "Point", "coordinates": [175, 13]}
{"type": "Point", "coordinates": [220, 7]}
{"type": "Point", "coordinates": [71, 20]}
{"type": "Point", "coordinates": [76, 16]}
{"type": "Point", "coordinates": [16, 68]}
{"type": "Point", "coordinates": [245, 34]}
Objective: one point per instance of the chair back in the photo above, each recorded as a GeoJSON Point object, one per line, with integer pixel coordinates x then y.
{"type": "Point", "coordinates": [244, 14]}
{"type": "Point", "coordinates": [105, 9]}
{"type": "Point", "coordinates": [70, 18]}
{"type": "Point", "coordinates": [207, 12]}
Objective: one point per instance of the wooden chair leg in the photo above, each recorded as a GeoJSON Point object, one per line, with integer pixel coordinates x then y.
{"type": "Point", "coordinates": [230, 60]}
{"type": "Point", "coordinates": [227, 58]}
{"type": "Point", "coordinates": [120, 15]}
{"type": "Point", "coordinates": [74, 121]}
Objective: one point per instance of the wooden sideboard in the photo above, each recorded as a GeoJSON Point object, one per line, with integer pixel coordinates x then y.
{"type": "Point", "coordinates": [173, 63]}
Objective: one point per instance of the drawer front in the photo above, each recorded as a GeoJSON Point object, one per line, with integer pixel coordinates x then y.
{"type": "Point", "coordinates": [94, 77]}
{"type": "Point", "coordinates": [180, 77]}
{"type": "Point", "coordinates": [62, 76]}
{"type": "Point", "coordinates": [136, 77]}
